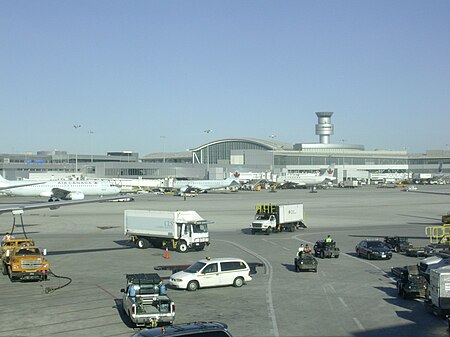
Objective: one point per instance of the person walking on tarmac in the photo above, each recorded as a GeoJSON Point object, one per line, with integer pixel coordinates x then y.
{"type": "Point", "coordinates": [328, 239]}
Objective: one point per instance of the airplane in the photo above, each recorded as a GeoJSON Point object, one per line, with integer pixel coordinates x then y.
{"type": "Point", "coordinates": [189, 186]}
{"type": "Point", "coordinates": [59, 189]}
{"type": "Point", "coordinates": [441, 174]}
{"type": "Point", "coordinates": [311, 180]}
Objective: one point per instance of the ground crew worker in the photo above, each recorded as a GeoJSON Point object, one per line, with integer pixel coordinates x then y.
{"type": "Point", "coordinates": [328, 239]}
{"type": "Point", "coordinates": [307, 250]}
{"type": "Point", "coordinates": [7, 237]}
{"type": "Point", "coordinates": [301, 249]}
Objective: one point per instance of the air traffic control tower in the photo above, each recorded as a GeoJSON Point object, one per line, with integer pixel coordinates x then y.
{"type": "Point", "coordinates": [324, 128]}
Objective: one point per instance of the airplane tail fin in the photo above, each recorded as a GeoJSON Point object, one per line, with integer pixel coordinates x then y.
{"type": "Point", "coordinates": [236, 175]}
{"type": "Point", "coordinates": [329, 172]}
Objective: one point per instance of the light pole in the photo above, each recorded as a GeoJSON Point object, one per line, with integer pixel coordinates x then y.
{"type": "Point", "coordinates": [164, 147]}
{"type": "Point", "coordinates": [76, 126]}
{"type": "Point", "coordinates": [90, 132]}
{"type": "Point", "coordinates": [208, 131]}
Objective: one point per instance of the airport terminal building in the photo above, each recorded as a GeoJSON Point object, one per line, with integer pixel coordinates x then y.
{"type": "Point", "coordinates": [253, 158]}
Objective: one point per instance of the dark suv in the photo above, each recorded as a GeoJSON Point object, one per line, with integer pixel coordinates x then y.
{"type": "Point", "coordinates": [195, 329]}
{"type": "Point", "coordinates": [376, 250]}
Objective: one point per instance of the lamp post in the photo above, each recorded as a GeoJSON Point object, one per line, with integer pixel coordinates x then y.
{"type": "Point", "coordinates": [76, 126]}
{"type": "Point", "coordinates": [208, 131]}
{"type": "Point", "coordinates": [164, 147]}
{"type": "Point", "coordinates": [90, 132]}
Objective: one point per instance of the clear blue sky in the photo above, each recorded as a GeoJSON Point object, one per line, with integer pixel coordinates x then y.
{"type": "Point", "coordinates": [131, 72]}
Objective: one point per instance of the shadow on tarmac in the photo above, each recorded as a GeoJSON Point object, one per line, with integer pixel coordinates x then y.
{"type": "Point", "coordinates": [123, 316]}
{"type": "Point", "coordinates": [382, 237]}
{"type": "Point", "coordinates": [82, 251]}
{"type": "Point", "coordinates": [289, 267]}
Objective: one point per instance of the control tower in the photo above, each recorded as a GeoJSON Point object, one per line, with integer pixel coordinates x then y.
{"type": "Point", "coordinates": [324, 128]}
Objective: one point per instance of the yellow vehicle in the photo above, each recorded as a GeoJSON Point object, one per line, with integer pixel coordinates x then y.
{"type": "Point", "coordinates": [25, 262]}
{"type": "Point", "coordinates": [15, 243]}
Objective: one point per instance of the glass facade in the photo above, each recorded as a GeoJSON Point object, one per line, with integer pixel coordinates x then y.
{"type": "Point", "coordinates": [221, 151]}
{"type": "Point", "coordinates": [283, 160]}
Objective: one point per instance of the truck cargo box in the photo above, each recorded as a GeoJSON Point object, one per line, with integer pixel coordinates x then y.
{"type": "Point", "coordinates": [290, 213]}
{"type": "Point", "coordinates": [440, 287]}
{"type": "Point", "coordinates": [157, 223]}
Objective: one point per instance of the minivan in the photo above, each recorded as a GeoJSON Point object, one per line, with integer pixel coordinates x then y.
{"type": "Point", "coordinates": [212, 273]}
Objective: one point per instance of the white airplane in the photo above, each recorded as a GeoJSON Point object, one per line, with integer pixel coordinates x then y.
{"type": "Point", "coordinates": [189, 186]}
{"type": "Point", "coordinates": [441, 174]}
{"type": "Point", "coordinates": [311, 180]}
{"type": "Point", "coordinates": [59, 189]}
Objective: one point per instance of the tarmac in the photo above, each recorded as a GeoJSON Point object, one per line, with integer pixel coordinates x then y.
{"type": "Point", "coordinates": [348, 296]}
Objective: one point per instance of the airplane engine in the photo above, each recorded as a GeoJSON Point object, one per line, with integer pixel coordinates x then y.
{"type": "Point", "coordinates": [74, 196]}
{"type": "Point", "coordinates": [184, 189]}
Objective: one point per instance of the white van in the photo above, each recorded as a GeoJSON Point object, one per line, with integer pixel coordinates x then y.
{"type": "Point", "coordinates": [212, 273]}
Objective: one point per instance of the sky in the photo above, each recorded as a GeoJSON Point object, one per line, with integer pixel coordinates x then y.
{"type": "Point", "coordinates": [152, 76]}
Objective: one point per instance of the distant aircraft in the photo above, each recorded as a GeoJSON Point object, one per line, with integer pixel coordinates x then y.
{"type": "Point", "coordinates": [441, 174]}
{"type": "Point", "coordinates": [59, 189]}
{"type": "Point", "coordinates": [189, 186]}
{"type": "Point", "coordinates": [312, 180]}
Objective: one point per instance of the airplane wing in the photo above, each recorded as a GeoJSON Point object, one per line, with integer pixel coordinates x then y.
{"type": "Point", "coordinates": [52, 205]}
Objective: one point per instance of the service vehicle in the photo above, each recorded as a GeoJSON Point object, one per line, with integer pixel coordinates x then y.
{"type": "Point", "coordinates": [212, 273]}
{"type": "Point", "coordinates": [194, 329]}
{"type": "Point", "coordinates": [373, 250]}
{"type": "Point", "coordinates": [416, 251]}
{"type": "Point", "coordinates": [351, 184]}
{"type": "Point", "coordinates": [25, 262]}
{"type": "Point", "coordinates": [410, 284]}
{"type": "Point", "coordinates": [11, 243]}
{"type": "Point", "coordinates": [145, 301]}
{"type": "Point", "coordinates": [277, 218]}
{"type": "Point", "coordinates": [180, 230]}
{"type": "Point", "coordinates": [433, 262]}
{"type": "Point", "coordinates": [324, 249]}
{"type": "Point", "coordinates": [305, 262]}
{"type": "Point", "coordinates": [439, 301]}
{"type": "Point", "coordinates": [398, 244]}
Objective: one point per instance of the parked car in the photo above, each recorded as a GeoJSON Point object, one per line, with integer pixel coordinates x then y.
{"type": "Point", "coordinates": [212, 273]}
{"type": "Point", "coordinates": [196, 329]}
{"type": "Point", "coordinates": [373, 249]}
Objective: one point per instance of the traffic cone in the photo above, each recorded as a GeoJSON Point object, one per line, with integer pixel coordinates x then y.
{"type": "Point", "coordinates": [166, 255]}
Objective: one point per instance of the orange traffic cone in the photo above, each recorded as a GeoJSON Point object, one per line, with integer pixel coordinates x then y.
{"type": "Point", "coordinates": [166, 256]}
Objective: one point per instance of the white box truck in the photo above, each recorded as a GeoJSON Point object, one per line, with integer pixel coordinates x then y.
{"type": "Point", "coordinates": [179, 230]}
{"type": "Point", "coordinates": [276, 218]}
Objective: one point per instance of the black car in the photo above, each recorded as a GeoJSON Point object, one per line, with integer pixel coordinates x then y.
{"type": "Point", "coordinates": [373, 250]}
{"type": "Point", "coordinates": [195, 329]}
